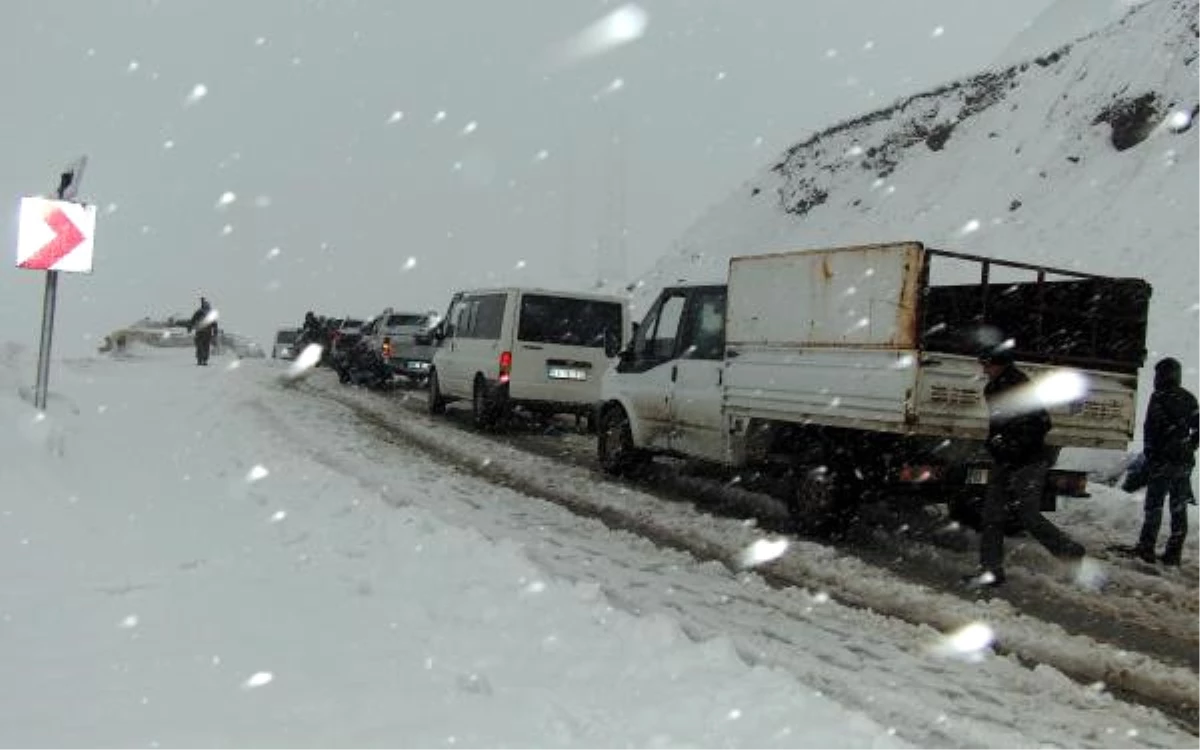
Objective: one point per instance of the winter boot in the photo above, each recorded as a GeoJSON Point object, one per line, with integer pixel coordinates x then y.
{"type": "Point", "coordinates": [1145, 554]}
{"type": "Point", "coordinates": [1172, 556]}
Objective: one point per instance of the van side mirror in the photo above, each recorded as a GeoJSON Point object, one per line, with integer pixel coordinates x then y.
{"type": "Point", "coordinates": [627, 352]}
{"type": "Point", "coordinates": [612, 344]}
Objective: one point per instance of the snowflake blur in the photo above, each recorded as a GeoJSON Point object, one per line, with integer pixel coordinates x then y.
{"type": "Point", "coordinates": [762, 551]}
{"type": "Point", "coordinates": [967, 643]}
{"type": "Point", "coordinates": [620, 27]}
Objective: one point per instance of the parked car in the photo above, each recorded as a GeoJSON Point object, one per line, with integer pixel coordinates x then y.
{"type": "Point", "coordinates": [404, 341]}
{"type": "Point", "coordinates": [285, 343]}
{"type": "Point", "coordinates": [538, 349]}
{"type": "Point", "coordinates": [358, 364]}
{"type": "Point", "coordinates": [343, 336]}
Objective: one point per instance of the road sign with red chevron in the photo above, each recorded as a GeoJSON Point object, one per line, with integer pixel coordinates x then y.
{"type": "Point", "coordinates": [55, 235]}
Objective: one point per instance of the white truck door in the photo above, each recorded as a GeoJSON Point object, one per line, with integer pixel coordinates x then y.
{"type": "Point", "coordinates": [644, 380]}
{"type": "Point", "coordinates": [695, 400]}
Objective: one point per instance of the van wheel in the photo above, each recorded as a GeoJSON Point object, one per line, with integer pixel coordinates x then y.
{"type": "Point", "coordinates": [437, 404]}
{"type": "Point", "coordinates": [483, 409]}
{"type": "Point", "coordinates": [614, 444]}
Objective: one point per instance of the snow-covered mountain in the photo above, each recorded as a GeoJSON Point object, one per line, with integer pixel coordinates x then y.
{"type": "Point", "coordinates": [1083, 157]}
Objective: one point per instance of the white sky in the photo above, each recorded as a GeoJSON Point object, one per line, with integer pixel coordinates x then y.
{"type": "Point", "coordinates": [291, 108]}
{"type": "Point", "coordinates": [203, 557]}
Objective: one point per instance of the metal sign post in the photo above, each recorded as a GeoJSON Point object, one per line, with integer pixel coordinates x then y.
{"type": "Point", "coordinates": [68, 188]}
{"type": "Point", "coordinates": [43, 371]}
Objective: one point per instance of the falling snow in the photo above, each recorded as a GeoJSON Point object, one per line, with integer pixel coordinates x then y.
{"type": "Point", "coordinates": [258, 679]}
{"type": "Point", "coordinates": [199, 91]}
{"type": "Point", "coordinates": [622, 26]}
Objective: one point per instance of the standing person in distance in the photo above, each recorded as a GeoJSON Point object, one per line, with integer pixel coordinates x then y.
{"type": "Point", "coordinates": [1016, 442]}
{"type": "Point", "coordinates": [202, 327]}
{"type": "Point", "coordinates": [1171, 434]}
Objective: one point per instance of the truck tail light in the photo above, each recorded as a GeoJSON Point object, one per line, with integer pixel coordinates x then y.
{"type": "Point", "coordinates": [387, 347]}
{"type": "Point", "coordinates": [505, 366]}
{"type": "Point", "coordinates": [1067, 483]}
{"type": "Point", "coordinates": [919, 473]}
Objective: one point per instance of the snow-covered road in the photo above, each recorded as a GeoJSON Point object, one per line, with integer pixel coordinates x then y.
{"type": "Point", "coordinates": [785, 627]}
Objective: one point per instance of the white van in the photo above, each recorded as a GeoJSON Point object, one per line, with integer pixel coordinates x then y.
{"type": "Point", "coordinates": [538, 349]}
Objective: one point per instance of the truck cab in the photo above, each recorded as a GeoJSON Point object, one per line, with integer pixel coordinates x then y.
{"type": "Point", "coordinates": [667, 382]}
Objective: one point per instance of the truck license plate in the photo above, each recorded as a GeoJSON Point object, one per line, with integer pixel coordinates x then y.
{"type": "Point", "coordinates": [566, 373]}
{"type": "Point", "coordinates": [417, 365]}
{"type": "Point", "coordinates": [977, 476]}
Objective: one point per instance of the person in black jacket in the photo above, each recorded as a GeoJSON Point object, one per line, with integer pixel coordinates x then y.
{"type": "Point", "coordinates": [1170, 434]}
{"type": "Point", "coordinates": [203, 325]}
{"type": "Point", "coordinates": [1016, 441]}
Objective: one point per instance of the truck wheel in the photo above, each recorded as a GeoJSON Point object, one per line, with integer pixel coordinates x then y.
{"type": "Point", "coordinates": [816, 503]}
{"type": "Point", "coordinates": [614, 444]}
{"type": "Point", "coordinates": [437, 404]}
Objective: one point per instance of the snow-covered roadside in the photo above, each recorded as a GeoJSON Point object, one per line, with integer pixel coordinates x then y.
{"type": "Point", "coordinates": [190, 559]}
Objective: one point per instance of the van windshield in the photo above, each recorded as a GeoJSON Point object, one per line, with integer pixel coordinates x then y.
{"type": "Point", "coordinates": [547, 319]}
{"type": "Point", "coordinates": [285, 337]}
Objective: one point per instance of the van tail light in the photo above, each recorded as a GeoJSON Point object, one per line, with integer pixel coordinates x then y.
{"type": "Point", "coordinates": [387, 347]}
{"type": "Point", "coordinates": [505, 366]}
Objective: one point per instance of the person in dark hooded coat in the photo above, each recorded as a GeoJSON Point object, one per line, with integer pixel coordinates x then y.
{"type": "Point", "coordinates": [1016, 442]}
{"type": "Point", "coordinates": [1171, 434]}
{"type": "Point", "coordinates": [202, 325]}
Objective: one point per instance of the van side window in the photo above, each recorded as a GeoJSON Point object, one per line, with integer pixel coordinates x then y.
{"type": "Point", "coordinates": [460, 319]}
{"type": "Point", "coordinates": [705, 337]}
{"type": "Point", "coordinates": [483, 318]}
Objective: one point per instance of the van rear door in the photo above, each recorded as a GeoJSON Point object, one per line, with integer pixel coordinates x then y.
{"type": "Point", "coordinates": [563, 345]}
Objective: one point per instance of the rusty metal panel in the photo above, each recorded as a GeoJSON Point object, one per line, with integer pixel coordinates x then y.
{"type": "Point", "coordinates": [865, 296]}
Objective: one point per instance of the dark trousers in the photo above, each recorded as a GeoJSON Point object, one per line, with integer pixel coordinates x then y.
{"type": "Point", "coordinates": [1019, 488]}
{"type": "Point", "coordinates": [1166, 481]}
{"type": "Point", "coordinates": [203, 341]}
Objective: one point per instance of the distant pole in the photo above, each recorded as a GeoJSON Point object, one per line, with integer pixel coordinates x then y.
{"type": "Point", "coordinates": [68, 187]}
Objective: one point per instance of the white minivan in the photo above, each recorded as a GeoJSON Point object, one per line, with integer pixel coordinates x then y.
{"type": "Point", "coordinates": [542, 350]}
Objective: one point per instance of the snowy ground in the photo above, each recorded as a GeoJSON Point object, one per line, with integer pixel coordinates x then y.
{"type": "Point", "coordinates": [201, 556]}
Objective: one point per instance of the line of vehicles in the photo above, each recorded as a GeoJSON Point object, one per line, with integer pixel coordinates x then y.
{"type": "Point", "coordinates": [825, 376]}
